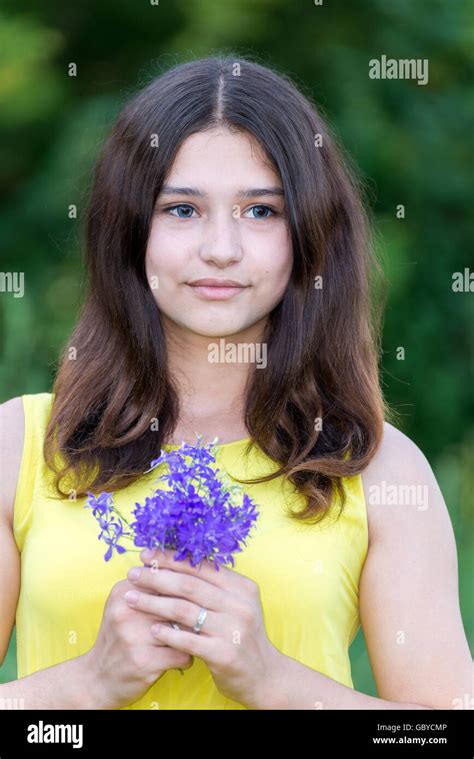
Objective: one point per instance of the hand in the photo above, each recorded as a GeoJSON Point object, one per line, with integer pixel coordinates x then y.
{"type": "Point", "coordinates": [233, 641]}
{"type": "Point", "coordinates": [126, 659]}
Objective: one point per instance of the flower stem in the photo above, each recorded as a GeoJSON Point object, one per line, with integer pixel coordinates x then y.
{"type": "Point", "coordinates": [121, 516]}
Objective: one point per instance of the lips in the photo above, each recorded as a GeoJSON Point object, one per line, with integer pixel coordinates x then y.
{"type": "Point", "coordinates": [216, 289]}
{"type": "Point", "coordinates": [216, 283]}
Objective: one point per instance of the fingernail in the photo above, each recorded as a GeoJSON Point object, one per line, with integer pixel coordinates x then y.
{"type": "Point", "coordinates": [148, 553]}
{"type": "Point", "coordinates": [134, 573]}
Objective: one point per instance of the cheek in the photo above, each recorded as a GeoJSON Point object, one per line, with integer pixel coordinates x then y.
{"type": "Point", "coordinates": [151, 255]}
{"type": "Point", "coordinates": [159, 269]}
{"type": "Point", "coordinates": [277, 260]}
{"type": "Point", "coordinates": [163, 256]}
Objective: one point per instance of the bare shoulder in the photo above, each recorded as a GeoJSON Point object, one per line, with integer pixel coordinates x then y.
{"type": "Point", "coordinates": [408, 592]}
{"type": "Point", "coordinates": [400, 487]}
{"type": "Point", "coordinates": [12, 424]}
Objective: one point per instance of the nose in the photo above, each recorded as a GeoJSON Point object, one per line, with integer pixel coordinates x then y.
{"type": "Point", "coordinates": [221, 242]}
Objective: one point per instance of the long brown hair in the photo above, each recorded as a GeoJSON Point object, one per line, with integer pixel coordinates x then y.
{"type": "Point", "coordinates": [323, 344]}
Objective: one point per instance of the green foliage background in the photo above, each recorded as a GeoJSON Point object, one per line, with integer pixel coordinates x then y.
{"type": "Point", "coordinates": [411, 143]}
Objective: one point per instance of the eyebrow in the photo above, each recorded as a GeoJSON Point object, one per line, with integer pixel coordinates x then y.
{"type": "Point", "coordinates": [250, 192]}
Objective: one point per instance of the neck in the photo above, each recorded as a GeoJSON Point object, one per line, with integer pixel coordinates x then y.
{"type": "Point", "coordinates": [211, 395]}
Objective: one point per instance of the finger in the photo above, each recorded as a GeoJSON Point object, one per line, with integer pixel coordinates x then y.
{"type": "Point", "coordinates": [162, 621]}
{"type": "Point", "coordinates": [188, 643]}
{"type": "Point", "coordinates": [223, 577]}
{"type": "Point", "coordinates": [179, 585]}
{"type": "Point", "coordinates": [147, 619]}
{"type": "Point", "coordinates": [175, 609]}
{"type": "Point", "coordinates": [169, 658]}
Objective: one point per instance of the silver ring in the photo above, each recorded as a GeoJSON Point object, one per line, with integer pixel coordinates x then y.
{"type": "Point", "coordinates": [200, 620]}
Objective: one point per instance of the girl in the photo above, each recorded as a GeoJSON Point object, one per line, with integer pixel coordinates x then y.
{"type": "Point", "coordinates": [223, 212]}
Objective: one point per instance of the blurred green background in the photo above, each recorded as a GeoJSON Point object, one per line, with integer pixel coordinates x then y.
{"type": "Point", "coordinates": [411, 143]}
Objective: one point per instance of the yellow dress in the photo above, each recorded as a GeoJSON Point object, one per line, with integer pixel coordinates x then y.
{"type": "Point", "coordinates": [308, 574]}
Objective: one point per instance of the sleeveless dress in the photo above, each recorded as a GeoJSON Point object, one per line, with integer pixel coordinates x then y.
{"type": "Point", "coordinates": [308, 575]}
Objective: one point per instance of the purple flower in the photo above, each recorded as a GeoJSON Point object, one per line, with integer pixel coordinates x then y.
{"type": "Point", "coordinates": [200, 515]}
{"type": "Point", "coordinates": [112, 529]}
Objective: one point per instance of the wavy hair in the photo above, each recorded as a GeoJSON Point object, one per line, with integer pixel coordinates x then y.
{"type": "Point", "coordinates": [323, 345]}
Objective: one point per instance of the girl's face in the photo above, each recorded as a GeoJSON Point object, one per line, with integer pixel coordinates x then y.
{"type": "Point", "coordinates": [220, 215]}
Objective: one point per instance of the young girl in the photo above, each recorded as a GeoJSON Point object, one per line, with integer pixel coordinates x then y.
{"type": "Point", "coordinates": [223, 214]}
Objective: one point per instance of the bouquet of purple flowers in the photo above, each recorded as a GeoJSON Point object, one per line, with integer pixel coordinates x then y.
{"type": "Point", "coordinates": [201, 516]}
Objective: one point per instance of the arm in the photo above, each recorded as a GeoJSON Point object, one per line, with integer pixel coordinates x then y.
{"type": "Point", "coordinates": [409, 604]}
{"type": "Point", "coordinates": [68, 685]}
{"type": "Point", "coordinates": [71, 684]}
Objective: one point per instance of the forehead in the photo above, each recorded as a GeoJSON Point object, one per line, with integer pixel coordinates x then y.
{"type": "Point", "coordinates": [218, 158]}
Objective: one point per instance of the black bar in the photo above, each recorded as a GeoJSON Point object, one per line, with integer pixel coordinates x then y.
{"type": "Point", "coordinates": [222, 733]}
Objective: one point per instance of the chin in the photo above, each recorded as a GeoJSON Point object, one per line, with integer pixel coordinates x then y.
{"type": "Point", "coordinates": [214, 333]}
